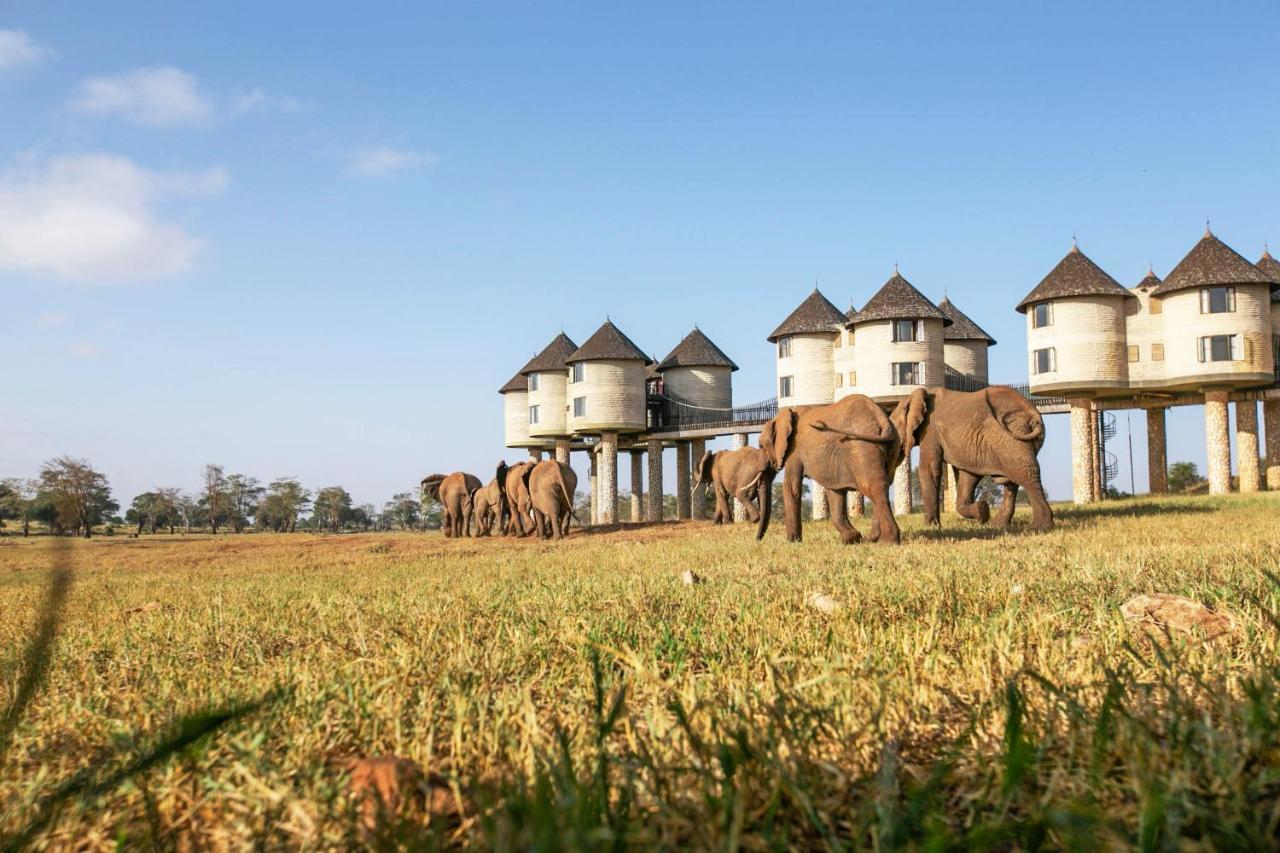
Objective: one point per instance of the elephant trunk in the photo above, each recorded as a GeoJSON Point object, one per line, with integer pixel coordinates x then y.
{"type": "Point", "coordinates": [764, 493]}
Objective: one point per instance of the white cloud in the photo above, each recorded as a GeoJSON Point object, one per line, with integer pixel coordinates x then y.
{"type": "Point", "coordinates": [52, 320]}
{"type": "Point", "coordinates": [84, 349]}
{"type": "Point", "coordinates": [377, 161]}
{"type": "Point", "coordinates": [94, 218]}
{"type": "Point", "coordinates": [258, 101]}
{"type": "Point", "coordinates": [156, 97]}
{"type": "Point", "coordinates": [18, 48]}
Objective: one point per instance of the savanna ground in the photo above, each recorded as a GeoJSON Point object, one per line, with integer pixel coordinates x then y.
{"type": "Point", "coordinates": [975, 689]}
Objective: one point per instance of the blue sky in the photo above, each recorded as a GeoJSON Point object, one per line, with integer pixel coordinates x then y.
{"type": "Point", "coordinates": [324, 234]}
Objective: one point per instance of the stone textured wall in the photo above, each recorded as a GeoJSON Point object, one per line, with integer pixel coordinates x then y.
{"type": "Point", "coordinates": [562, 451]}
{"type": "Point", "coordinates": [1088, 335]}
{"type": "Point", "coordinates": [876, 352]}
{"type": "Point", "coordinates": [683, 472]}
{"type": "Point", "coordinates": [553, 418]}
{"type": "Point", "coordinates": [1082, 458]}
{"type": "Point", "coordinates": [1184, 325]}
{"type": "Point", "coordinates": [844, 363]}
{"type": "Point", "coordinates": [1247, 445]}
{"type": "Point", "coordinates": [817, 501]}
{"type": "Point", "coordinates": [637, 485]}
{"type": "Point", "coordinates": [811, 366]}
{"type": "Point", "coordinates": [607, 478]}
{"type": "Point", "coordinates": [593, 478]}
{"type": "Point", "coordinates": [948, 487]}
{"type": "Point", "coordinates": [1157, 454]}
{"type": "Point", "coordinates": [655, 481]}
{"type": "Point", "coordinates": [1143, 328]}
{"type": "Point", "coordinates": [902, 488]}
{"type": "Point", "coordinates": [515, 419]}
{"type": "Point", "coordinates": [1217, 442]}
{"type": "Point", "coordinates": [967, 357]}
{"type": "Point", "coordinates": [1271, 427]}
{"type": "Point", "coordinates": [739, 509]}
{"type": "Point", "coordinates": [855, 504]}
{"type": "Point", "coordinates": [703, 386]}
{"type": "Point", "coordinates": [615, 393]}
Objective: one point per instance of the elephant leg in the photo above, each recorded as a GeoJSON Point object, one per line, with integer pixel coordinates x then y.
{"type": "Point", "coordinates": [792, 483]}
{"type": "Point", "coordinates": [884, 527]}
{"type": "Point", "coordinates": [930, 478]}
{"type": "Point", "coordinates": [1041, 514]}
{"type": "Point", "coordinates": [966, 484]}
{"type": "Point", "coordinates": [838, 508]}
{"type": "Point", "coordinates": [1008, 505]}
{"type": "Point", "coordinates": [748, 498]}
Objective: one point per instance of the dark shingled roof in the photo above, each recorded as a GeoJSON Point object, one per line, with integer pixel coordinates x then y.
{"type": "Point", "coordinates": [1149, 280]}
{"type": "Point", "coordinates": [697, 350]}
{"type": "Point", "coordinates": [815, 314]}
{"type": "Point", "coordinates": [897, 299]}
{"type": "Point", "coordinates": [608, 344]}
{"type": "Point", "coordinates": [1075, 275]}
{"type": "Point", "coordinates": [1271, 268]}
{"type": "Point", "coordinates": [554, 357]}
{"type": "Point", "coordinates": [1209, 262]}
{"type": "Point", "coordinates": [515, 383]}
{"type": "Point", "coordinates": [962, 328]}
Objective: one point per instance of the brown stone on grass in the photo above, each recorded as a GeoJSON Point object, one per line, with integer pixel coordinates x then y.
{"type": "Point", "coordinates": [390, 790]}
{"type": "Point", "coordinates": [1159, 611]}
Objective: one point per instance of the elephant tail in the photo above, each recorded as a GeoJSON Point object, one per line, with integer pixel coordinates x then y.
{"type": "Point", "coordinates": [764, 491]}
{"type": "Point", "coordinates": [564, 492]}
{"type": "Point", "coordinates": [887, 436]}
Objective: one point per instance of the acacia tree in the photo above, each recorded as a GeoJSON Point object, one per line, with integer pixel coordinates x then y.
{"type": "Point", "coordinates": [18, 500]}
{"type": "Point", "coordinates": [242, 496]}
{"type": "Point", "coordinates": [168, 500]}
{"type": "Point", "coordinates": [215, 495]}
{"type": "Point", "coordinates": [80, 496]}
{"type": "Point", "coordinates": [285, 500]}
{"type": "Point", "coordinates": [402, 510]}
{"type": "Point", "coordinates": [332, 507]}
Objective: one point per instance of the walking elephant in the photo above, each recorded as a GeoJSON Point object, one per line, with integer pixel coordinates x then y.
{"type": "Point", "coordinates": [994, 432]}
{"type": "Point", "coordinates": [487, 506]}
{"type": "Point", "coordinates": [511, 479]}
{"type": "Point", "coordinates": [841, 446]}
{"type": "Point", "coordinates": [551, 486]}
{"type": "Point", "coordinates": [732, 474]}
{"type": "Point", "coordinates": [453, 491]}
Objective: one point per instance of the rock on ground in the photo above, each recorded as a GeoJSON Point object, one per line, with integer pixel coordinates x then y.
{"type": "Point", "coordinates": [1180, 615]}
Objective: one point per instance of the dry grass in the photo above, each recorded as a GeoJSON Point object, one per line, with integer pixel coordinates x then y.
{"type": "Point", "coordinates": [974, 688]}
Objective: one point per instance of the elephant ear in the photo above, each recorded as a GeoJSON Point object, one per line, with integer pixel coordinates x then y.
{"type": "Point", "coordinates": [908, 417]}
{"type": "Point", "coordinates": [1018, 417]}
{"type": "Point", "coordinates": [702, 474]}
{"type": "Point", "coordinates": [776, 439]}
{"type": "Point", "coordinates": [501, 475]}
{"type": "Point", "coordinates": [527, 473]}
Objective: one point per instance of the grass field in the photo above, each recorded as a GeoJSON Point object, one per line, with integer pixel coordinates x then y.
{"type": "Point", "coordinates": [972, 689]}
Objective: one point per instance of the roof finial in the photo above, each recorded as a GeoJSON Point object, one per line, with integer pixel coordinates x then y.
{"type": "Point", "coordinates": [1207, 231]}
{"type": "Point", "coordinates": [1075, 244]}
{"type": "Point", "coordinates": [1266, 250]}
{"type": "Point", "coordinates": [895, 267]}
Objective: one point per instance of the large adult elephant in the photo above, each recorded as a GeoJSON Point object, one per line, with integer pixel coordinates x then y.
{"type": "Point", "coordinates": [515, 487]}
{"type": "Point", "coordinates": [551, 486]}
{"type": "Point", "coordinates": [995, 432]}
{"type": "Point", "coordinates": [453, 491]}
{"type": "Point", "coordinates": [487, 506]}
{"type": "Point", "coordinates": [842, 446]}
{"type": "Point", "coordinates": [732, 474]}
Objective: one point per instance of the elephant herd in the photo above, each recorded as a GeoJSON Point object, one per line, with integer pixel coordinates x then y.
{"type": "Point", "coordinates": [522, 499]}
{"type": "Point", "coordinates": [849, 445]}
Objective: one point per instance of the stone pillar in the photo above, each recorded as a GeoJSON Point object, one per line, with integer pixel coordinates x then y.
{"type": "Point", "coordinates": [535, 454]}
{"type": "Point", "coordinates": [1217, 442]}
{"type": "Point", "coordinates": [948, 487]}
{"type": "Point", "coordinates": [637, 485]}
{"type": "Point", "coordinates": [697, 497]}
{"type": "Point", "coordinates": [1083, 463]}
{"type": "Point", "coordinates": [607, 478]}
{"type": "Point", "coordinates": [739, 508]}
{"type": "Point", "coordinates": [855, 504]}
{"type": "Point", "coordinates": [682, 480]}
{"type": "Point", "coordinates": [818, 498]}
{"type": "Point", "coordinates": [1157, 455]}
{"type": "Point", "coordinates": [1271, 425]}
{"type": "Point", "coordinates": [1247, 445]}
{"type": "Point", "coordinates": [902, 488]}
{"type": "Point", "coordinates": [594, 480]}
{"type": "Point", "coordinates": [1095, 452]}
{"type": "Point", "coordinates": [562, 451]}
{"type": "Point", "coordinates": [655, 481]}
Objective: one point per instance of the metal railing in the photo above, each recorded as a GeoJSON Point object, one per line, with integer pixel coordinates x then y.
{"type": "Point", "coordinates": [668, 413]}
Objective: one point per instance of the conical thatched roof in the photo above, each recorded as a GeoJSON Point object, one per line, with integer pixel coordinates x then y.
{"type": "Point", "coordinates": [1149, 281]}
{"type": "Point", "coordinates": [1075, 275]}
{"type": "Point", "coordinates": [1271, 268]}
{"type": "Point", "coordinates": [1210, 262]}
{"type": "Point", "coordinates": [515, 383]}
{"type": "Point", "coordinates": [608, 344]}
{"type": "Point", "coordinates": [961, 328]}
{"type": "Point", "coordinates": [815, 314]}
{"type": "Point", "coordinates": [553, 357]}
{"type": "Point", "coordinates": [897, 299]}
{"type": "Point", "coordinates": [697, 350]}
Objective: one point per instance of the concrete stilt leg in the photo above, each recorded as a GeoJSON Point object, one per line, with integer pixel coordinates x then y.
{"type": "Point", "coordinates": [1271, 425]}
{"type": "Point", "coordinates": [594, 479]}
{"type": "Point", "coordinates": [637, 485]}
{"type": "Point", "coordinates": [1095, 452]}
{"type": "Point", "coordinates": [856, 506]}
{"type": "Point", "coordinates": [1157, 455]}
{"type": "Point", "coordinates": [739, 508]}
{"type": "Point", "coordinates": [1247, 445]}
{"type": "Point", "coordinates": [562, 451]}
{"type": "Point", "coordinates": [1082, 458]}
{"type": "Point", "coordinates": [608, 478]}
{"type": "Point", "coordinates": [902, 488]}
{"type": "Point", "coordinates": [535, 455]}
{"type": "Point", "coordinates": [655, 481]}
{"type": "Point", "coordinates": [948, 487]}
{"type": "Point", "coordinates": [819, 500]}
{"type": "Point", "coordinates": [1217, 442]}
{"type": "Point", "coordinates": [682, 480]}
{"type": "Point", "coordinates": [697, 497]}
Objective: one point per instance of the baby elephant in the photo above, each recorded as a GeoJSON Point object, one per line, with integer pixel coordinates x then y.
{"type": "Point", "coordinates": [732, 474]}
{"type": "Point", "coordinates": [487, 505]}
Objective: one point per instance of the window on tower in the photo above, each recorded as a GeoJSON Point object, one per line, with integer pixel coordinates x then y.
{"type": "Point", "coordinates": [1042, 315]}
{"type": "Point", "coordinates": [1217, 300]}
{"type": "Point", "coordinates": [906, 330]}
{"type": "Point", "coordinates": [533, 382]}
{"type": "Point", "coordinates": [784, 347]}
{"type": "Point", "coordinates": [1045, 360]}
{"type": "Point", "coordinates": [786, 386]}
{"type": "Point", "coordinates": [906, 373]}
{"type": "Point", "coordinates": [579, 407]}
